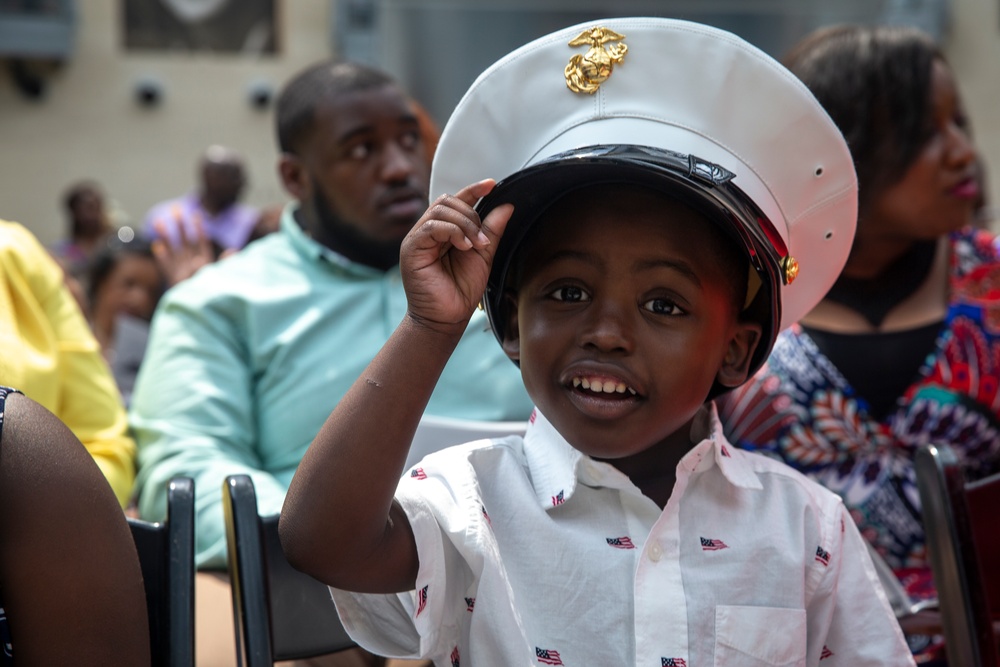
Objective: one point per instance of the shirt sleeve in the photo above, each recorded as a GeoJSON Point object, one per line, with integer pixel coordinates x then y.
{"type": "Point", "coordinates": [90, 404]}
{"type": "Point", "coordinates": [193, 414]}
{"type": "Point", "coordinates": [62, 367]}
{"type": "Point", "coordinates": [850, 620]}
{"type": "Point", "coordinates": [426, 622]}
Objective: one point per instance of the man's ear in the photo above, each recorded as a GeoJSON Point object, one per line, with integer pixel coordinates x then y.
{"type": "Point", "coordinates": [511, 337]}
{"type": "Point", "coordinates": [294, 176]}
{"type": "Point", "coordinates": [736, 364]}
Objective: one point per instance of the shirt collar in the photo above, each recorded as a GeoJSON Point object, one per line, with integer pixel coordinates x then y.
{"type": "Point", "coordinates": [556, 467]}
{"type": "Point", "coordinates": [304, 244]}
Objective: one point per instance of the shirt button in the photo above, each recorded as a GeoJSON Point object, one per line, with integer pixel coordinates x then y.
{"type": "Point", "coordinates": [654, 552]}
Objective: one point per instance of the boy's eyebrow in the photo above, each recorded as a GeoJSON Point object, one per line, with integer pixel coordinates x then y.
{"type": "Point", "coordinates": [677, 265]}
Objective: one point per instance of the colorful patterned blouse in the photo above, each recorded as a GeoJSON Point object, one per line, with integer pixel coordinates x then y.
{"type": "Point", "coordinates": [801, 409]}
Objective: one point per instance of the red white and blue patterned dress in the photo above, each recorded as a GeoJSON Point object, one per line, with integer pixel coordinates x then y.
{"type": "Point", "coordinates": [801, 409]}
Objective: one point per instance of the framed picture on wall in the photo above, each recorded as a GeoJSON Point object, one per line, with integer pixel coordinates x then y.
{"type": "Point", "coordinates": [223, 26]}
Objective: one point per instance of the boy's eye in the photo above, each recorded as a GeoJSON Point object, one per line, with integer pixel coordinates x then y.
{"type": "Point", "coordinates": [662, 307]}
{"type": "Point", "coordinates": [570, 293]}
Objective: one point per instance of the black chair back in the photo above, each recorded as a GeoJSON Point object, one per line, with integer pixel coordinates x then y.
{"type": "Point", "coordinates": [279, 612]}
{"type": "Point", "coordinates": [960, 526]}
{"type": "Point", "coordinates": [166, 556]}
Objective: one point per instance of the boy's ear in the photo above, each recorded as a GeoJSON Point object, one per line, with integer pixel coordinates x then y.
{"type": "Point", "coordinates": [736, 363]}
{"type": "Point", "coordinates": [511, 338]}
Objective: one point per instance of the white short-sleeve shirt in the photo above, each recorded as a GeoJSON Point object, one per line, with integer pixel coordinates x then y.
{"type": "Point", "coordinates": [532, 553]}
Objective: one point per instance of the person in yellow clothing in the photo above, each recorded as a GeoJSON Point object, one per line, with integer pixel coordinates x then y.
{"type": "Point", "coordinates": [48, 351]}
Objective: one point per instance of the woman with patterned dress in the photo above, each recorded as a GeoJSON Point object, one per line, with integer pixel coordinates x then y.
{"type": "Point", "coordinates": [905, 348]}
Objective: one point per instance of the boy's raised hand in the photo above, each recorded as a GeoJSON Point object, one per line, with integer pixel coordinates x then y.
{"type": "Point", "coordinates": [445, 260]}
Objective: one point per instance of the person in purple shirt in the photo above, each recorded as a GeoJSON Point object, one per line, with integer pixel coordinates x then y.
{"type": "Point", "coordinates": [213, 211]}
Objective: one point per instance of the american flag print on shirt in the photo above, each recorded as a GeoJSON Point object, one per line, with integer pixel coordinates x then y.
{"type": "Point", "coordinates": [422, 599]}
{"type": "Point", "coordinates": [470, 603]}
{"type": "Point", "coordinates": [725, 452]}
{"type": "Point", "coordinates": [712, 545]}
{"type": "Point", "coordinates": [454, 657]}
{"type": "Point", "coordinates": [673, 662]}
{"type": "Point", "coordinates": [418, 473]}
{"type": "Point", "coordinates": [620, 542]}
{"type": "Point", "coordinates": [486, 516]}
{"type": "Point", "coordinates": [558, 499]}
{"type": "Point", "coordinates": [825, 653]}
{"type": "Point", "coordinates": [822, 556]}
{"type": "Point", "coordinates": [548, 656]}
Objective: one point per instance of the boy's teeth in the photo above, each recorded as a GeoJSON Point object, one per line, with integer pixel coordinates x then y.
{"type": "Point", "coordinates": [603, 387]}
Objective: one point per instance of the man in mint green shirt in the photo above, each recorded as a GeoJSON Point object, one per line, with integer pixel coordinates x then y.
{"type": "Point", "coordinates": [247, 358]}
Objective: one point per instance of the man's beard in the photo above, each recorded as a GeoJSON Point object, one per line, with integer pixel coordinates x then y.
{"type": "Point", "coordinates": [350, 240]}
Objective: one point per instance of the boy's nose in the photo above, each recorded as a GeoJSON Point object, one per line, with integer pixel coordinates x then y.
{"type": "Point", "coordinates": [607, 329]}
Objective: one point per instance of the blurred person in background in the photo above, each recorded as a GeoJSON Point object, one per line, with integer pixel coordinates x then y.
{"type": "Point", "coordinates": [904, 349]}
{"type": "Point", "coordinates": [125, 285]}
{"type": "Point", "coordinates": [215, 205]}
{"type": "Point", "coordinates": [89, 228]}
{"type": "Point", "coordinates": [50, 353]}
{"type": "Point", "coordinates": [246, 358]}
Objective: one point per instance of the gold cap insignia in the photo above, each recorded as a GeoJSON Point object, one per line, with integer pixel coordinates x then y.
{"type": "Point", "coordinates": [586, 73]}
{"type": "Point", "coordinates": [791, 269]}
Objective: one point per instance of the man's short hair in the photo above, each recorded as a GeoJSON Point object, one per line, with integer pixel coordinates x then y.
{"type": "Point", "coordinates": [316, 84]}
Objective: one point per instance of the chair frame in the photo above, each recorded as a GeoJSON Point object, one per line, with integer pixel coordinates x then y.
{"type": "Point", "coordinates": [955, 563]}
{"type": "Point", "coordinates": [279, 613]}
{"type": "Point", "coordinates": [166, 557]}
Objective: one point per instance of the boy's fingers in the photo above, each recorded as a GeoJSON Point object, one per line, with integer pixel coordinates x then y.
{"type": "Point", "coordinates": [440, 232]}
{"type": "Point", "coordinates": [449, 210]}
{"type": "Point", "coordinates": [496, 222]}
{"type": "Point", "coordinates": [470, 194]}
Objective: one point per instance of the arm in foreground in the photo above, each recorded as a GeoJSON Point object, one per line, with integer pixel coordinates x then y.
{"type": "Point", "coordinates": [70, 576]}
{"type": "Point", "coordinates": [340, 522]}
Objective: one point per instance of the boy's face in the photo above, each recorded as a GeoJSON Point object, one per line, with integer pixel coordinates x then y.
{"type": "Point", "coordinates": [625, 316]}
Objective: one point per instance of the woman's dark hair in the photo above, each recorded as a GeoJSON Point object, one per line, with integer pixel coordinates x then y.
{"type": "Point", "coordinates": [875, 82]}
{"type": "Point", "coordinates": [108, 257]}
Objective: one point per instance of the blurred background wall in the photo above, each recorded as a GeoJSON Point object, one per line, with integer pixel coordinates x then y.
{"type": "Point", "coordinates": [133, 107]}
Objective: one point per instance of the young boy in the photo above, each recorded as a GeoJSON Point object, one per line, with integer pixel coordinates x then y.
{"type": "Point", "coordinates": [636, 260]}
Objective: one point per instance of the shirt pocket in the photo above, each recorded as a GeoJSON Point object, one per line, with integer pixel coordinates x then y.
{"type": "Point", "coordinates": [759, 636]}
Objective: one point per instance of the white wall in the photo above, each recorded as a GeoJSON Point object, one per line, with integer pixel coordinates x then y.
{"type": "Point", "coordinates": [973, 50]}
{"type": "Point", "coordinates": [88, 124]}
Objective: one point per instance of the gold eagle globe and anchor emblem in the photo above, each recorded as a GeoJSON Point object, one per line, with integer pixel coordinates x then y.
{"type": "Point", "coordinates": [586, 73]}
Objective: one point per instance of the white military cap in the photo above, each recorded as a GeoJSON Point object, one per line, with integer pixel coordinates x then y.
{"type": "Point", "coordinates": [688, 109]}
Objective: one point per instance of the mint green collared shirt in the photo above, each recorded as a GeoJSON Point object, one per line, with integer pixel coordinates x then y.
{"type": "Point", "coordinates": [247, 358]}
